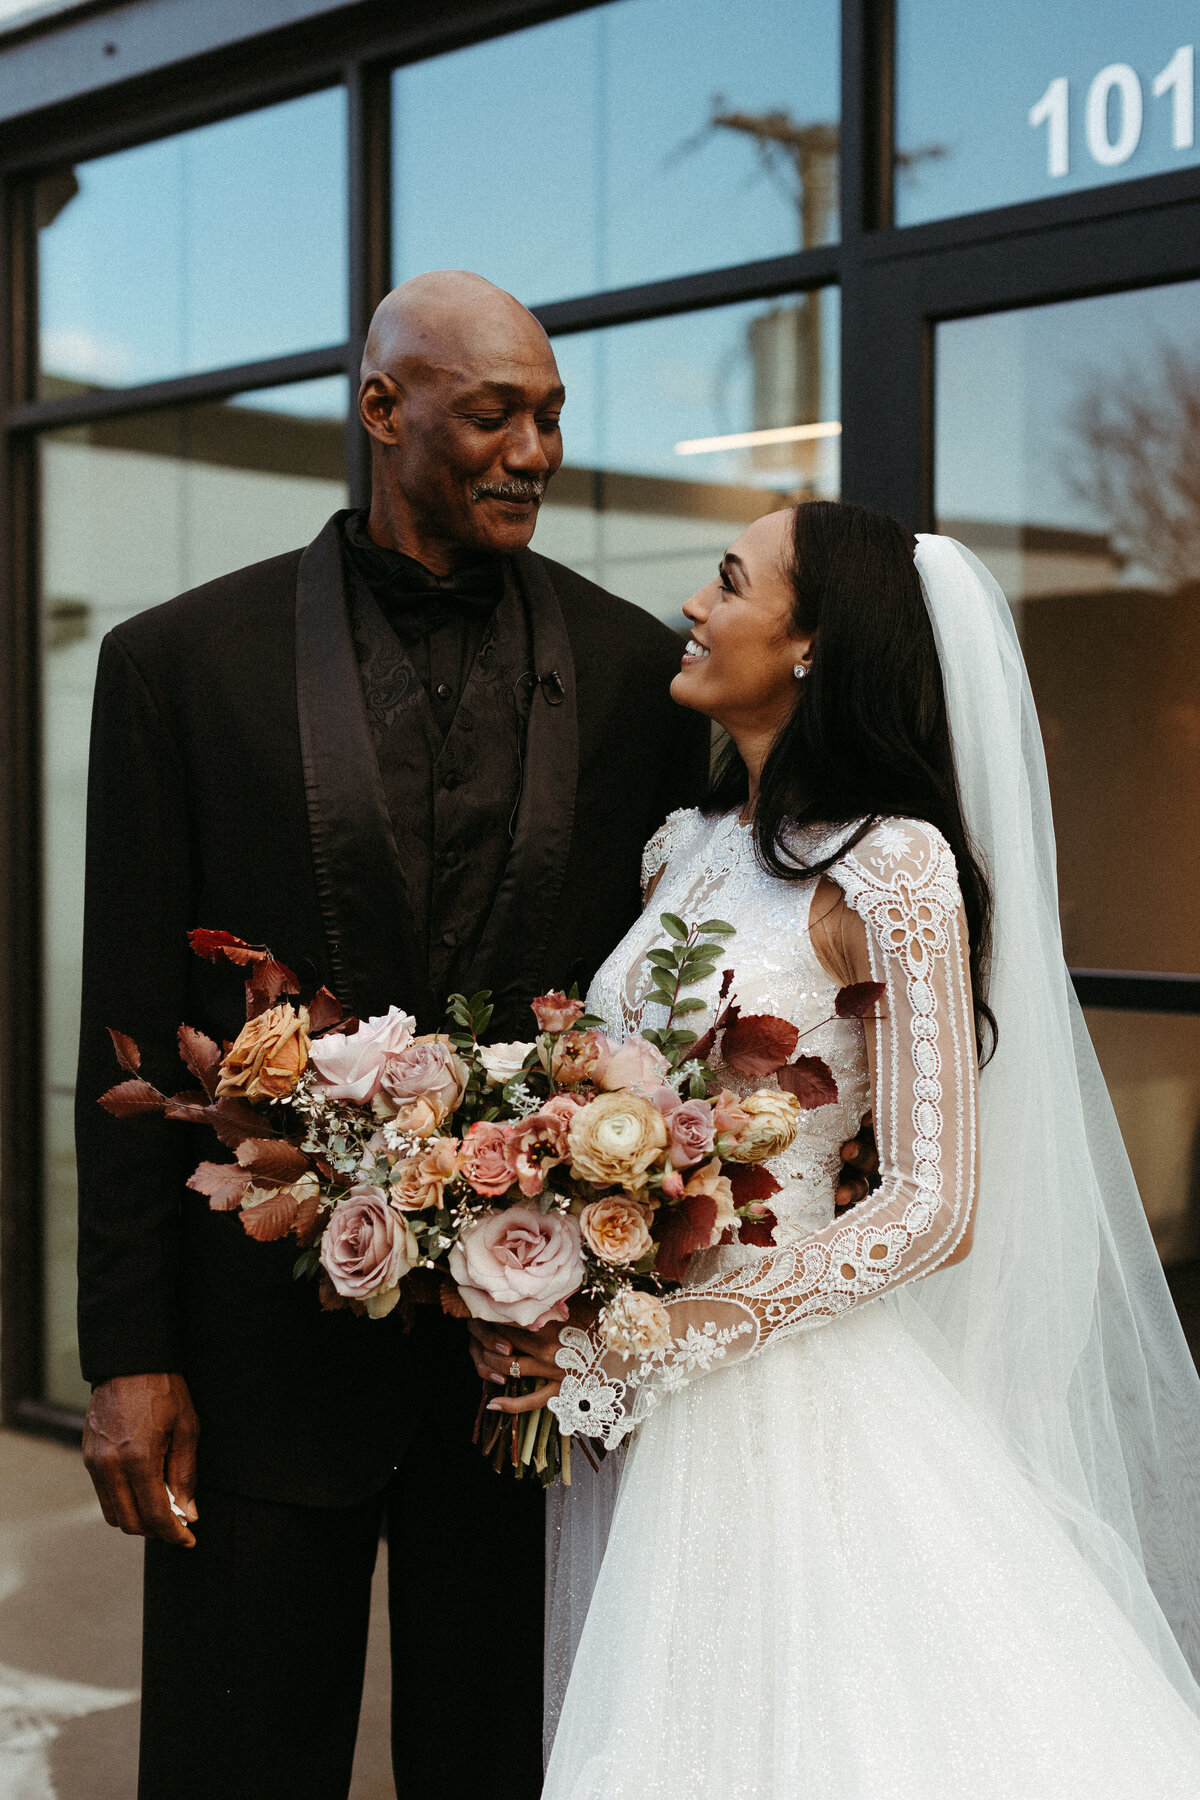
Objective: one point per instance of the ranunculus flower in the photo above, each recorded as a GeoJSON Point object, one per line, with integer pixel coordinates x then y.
{"type": "Point", "coordinates": [554, 1012]}
{"type": "Point", "coordinates": [486, 1160]}
{"type": "Point", "coordinates": [423, 1083]}
{"type": "Point", "coordinates": [419, 1181]}
{"type": "Point", "coordinates": [579, 1056]}
{"type": "Point", "coordinates": [709, 1180]}
{"type": "Point", "coordinates": [537, 1145]}
{"type": "Point", "coordinates": [368, 1248]}
{"type": "Point", "coordinates": [502, 1062]}
{"type": "Point", "coordinates": [616, 1230]}
{"type": "Point", "coordinates": [519, 1266]}
{"type": "Point", "coordinates": [638, 1065]}
{"type": "Point", "coordinates": [692, 1133]}
{"type": "Point", "coordinates": [351, 1068]}
{"type": "Point", "coordinates": [635, 1324]}
{"type": "Point", "coordinates": [268, 1056]}
{"type": "Point", "coordinates": [615, 1139]}
{"type": "Point", "coordinates": [773, 1119]}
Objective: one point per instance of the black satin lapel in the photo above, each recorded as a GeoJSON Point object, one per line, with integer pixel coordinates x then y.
{"type": "Point", "coordinates": [373, 951]}
{"type": "Point", "coordinates": [509, 959]}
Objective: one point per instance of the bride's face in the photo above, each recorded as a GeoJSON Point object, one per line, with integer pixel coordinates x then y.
{"type": "Point", "coordinates": [738, 667]}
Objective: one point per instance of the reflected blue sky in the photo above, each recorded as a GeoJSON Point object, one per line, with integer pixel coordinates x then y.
{"type": "Point", "coordinates": [967, 76]}
{"type": "Point", "coordinates": [576, 156]}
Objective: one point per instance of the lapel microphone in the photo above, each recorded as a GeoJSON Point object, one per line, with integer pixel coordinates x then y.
{"type": "Point", "coordinates": [552, 687]}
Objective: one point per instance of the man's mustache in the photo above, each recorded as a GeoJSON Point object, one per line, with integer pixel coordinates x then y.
{"type": "Point", "coordinates": [509, 490]}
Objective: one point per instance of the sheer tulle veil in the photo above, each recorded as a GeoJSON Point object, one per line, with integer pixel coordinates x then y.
{"type": "Point", "coordinates": [1059, 1326]}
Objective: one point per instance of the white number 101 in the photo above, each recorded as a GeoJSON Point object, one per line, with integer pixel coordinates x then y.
{"type": "Point", "coordinates": [1053, 111]}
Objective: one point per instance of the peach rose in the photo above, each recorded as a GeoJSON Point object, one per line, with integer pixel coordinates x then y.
{"type": "Point", "coordinates": [635, 1324]}
{"type": "Point", "coordinates": [728, 1114]}
{"type": "Point", "coordinates": [503, 1062]}
{"type": "Point", "coordinates": [638, 1065]}
{"type": "Point", "coordinates": [368, 1248]}
{"type": "Point", "coordinates": [615, 1139]}
{"type": "Point", "coordinates": [554, 1012]}
{"type": "Point", "coordinates": [579, 1056]}
{"type": "Point", "coordinates": [486, 1160]}
{"type": "Point", "coordinates": [351, 1068]}
{"type": "Point", "coordinates": [773, 1119]}
{"type": "Point", "coordinates": [422, 1084]}
{"type": "Point", "coordinates": [419, 1181]}
{"type": "Point", "coordinates": [268, 1056]}
{"type": "Point", "coordinates": [519, 1266]}
{"type": "Point", "coordinates": [616, 1230]}
{"type": "Point", "coordinates": [710, 1181]}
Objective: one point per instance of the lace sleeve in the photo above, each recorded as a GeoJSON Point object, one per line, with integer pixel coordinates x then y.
{"type": "Point", "coordinates": [902, 882]}
{"type": "Point", "coordinates": [662, 846]}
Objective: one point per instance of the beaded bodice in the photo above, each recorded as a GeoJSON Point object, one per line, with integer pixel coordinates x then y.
{"type": "Point", "coordinates": [711, 872]}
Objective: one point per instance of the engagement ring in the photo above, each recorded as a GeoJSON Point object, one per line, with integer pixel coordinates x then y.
{"type": "Point", "coordinates": [514, 1370]}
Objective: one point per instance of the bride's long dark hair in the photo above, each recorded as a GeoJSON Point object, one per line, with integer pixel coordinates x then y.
{"type": "Point", "coordinates": [868, 736]}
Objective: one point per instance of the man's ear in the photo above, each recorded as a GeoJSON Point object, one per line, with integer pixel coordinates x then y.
{"type": "Point", "coordinates": [378, 408]}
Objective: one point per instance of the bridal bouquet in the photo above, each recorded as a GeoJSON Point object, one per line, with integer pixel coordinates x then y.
{"type": "Point", "coordinates": [499, 1180]}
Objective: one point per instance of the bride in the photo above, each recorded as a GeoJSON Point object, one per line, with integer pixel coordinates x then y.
{"type": "Point", "coordinates": [877, 1535]}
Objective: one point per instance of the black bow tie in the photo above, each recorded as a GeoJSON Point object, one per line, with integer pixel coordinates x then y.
{"type": "Point", "coordinates": [412, 594]}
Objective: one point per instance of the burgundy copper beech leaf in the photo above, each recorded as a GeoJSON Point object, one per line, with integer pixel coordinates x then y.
{"type": "Point", "coordinates": [271, 1218]}
{"type": "Point", "coordinates": [272, 1159]}
{"type": "Point", "coordinates": [324, 1010]}
{"type": "Point", "coordinates": [308, 1220]}
{"type": "Point", "coordinates": [224, 1184]}
{"type": "Point", "coordinates": [266, 981]}
{"type": "Point", "coordinates": [687, 1228]}
{"type": "Point", "coordinates": [758, 1044]}
{"type": "Point", "coordinates": [128, 1054]}
{"type": "Point", "coordinates": [857, 1000]}
{"type": "Point", "coordinates": [453, 1302]}
{"type": "Point", "coordinates": [750, 1182]}
{"type": "Point", "coordinates": [811, 1080]}
{"type": "Point", "coordinates": [131, 1098]}
{"type": "Point", "coordinates": [201, 1057]}
{"type": "Point", "coordinates": [759, 1229]}
{"type": "Point", "coordinates": [222, 946]}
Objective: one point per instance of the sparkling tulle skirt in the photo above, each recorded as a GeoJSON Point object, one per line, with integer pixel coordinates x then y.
{"type": "Point", "coordinates": [824, 1580]}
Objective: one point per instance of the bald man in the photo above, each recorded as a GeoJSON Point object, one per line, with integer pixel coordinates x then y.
{"type": "Point", "coordinates": [414, 757]}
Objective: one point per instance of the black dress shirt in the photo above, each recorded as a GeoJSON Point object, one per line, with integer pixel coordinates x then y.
{"type": "Point", "coordinates": [440, 619]}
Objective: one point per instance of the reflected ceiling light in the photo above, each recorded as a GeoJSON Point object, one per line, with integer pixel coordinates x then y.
{"type": "Point", "coordinates": [746, 440]}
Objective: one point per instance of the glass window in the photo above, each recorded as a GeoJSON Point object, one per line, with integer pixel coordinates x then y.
{"type": "Point", "coordinates": [220, 246]}
{"type": "Point", "coordinates": [1017, 100]}
{"type": "Point", "coordinates": [624, 144]}
{"type": "Point", "coordinates": [135, 510]}
{"type": "Point", "coordinates": [679, 432]}
{"type": "Point", "coordinates": [1066, 458]}
{"type": "Point", "coordinates": [1151, 1064]}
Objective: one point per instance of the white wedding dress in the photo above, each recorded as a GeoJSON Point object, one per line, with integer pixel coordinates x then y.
{"type": "Point", "coordinates": [818, 1570]}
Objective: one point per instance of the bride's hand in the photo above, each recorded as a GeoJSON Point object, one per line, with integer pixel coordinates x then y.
{"type": "Point", "coordinates": [498, 1350]}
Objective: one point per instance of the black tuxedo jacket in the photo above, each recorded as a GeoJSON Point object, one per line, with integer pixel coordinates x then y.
{"type": "Point", "coordinates": [233, 784]}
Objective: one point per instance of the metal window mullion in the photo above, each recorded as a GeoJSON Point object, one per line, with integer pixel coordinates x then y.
{"type": "Point", "coordinates": [369, 250]}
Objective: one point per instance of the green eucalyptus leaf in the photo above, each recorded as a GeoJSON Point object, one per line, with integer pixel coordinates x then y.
{"type": "Point", "coordinates": [674, 926]}
{"type": "Point", "coordinates": [720, 926]}
{"type": "Point", "coordinates": [689, 1006]}
{"type": "Point", "coordinates": [701, 972]}
{"type": "Point", "coordinates": [662, 959]}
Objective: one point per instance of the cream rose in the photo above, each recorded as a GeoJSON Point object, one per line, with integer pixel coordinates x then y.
{"type": "Point", "coordinates": [351, 1068]}
{"type": "Point", "coordinates": [268, 1056]}
{"type": "Point", "coordinates": [615, 1140]}
{"type": "Point", "coordinates": [635, 1324]}
{"type": "Point", "coordinates": [503, 1062]}
{"type": "Point", "coordinates": [419, 1181]}
{"type": "Point", "coordinates": [518, 1266]}
{"type": "Point", "coordinates": [616, 1230]}
{"type": "Point", "coordinates": [638, 1065]}
{"type": "Point", "coordinates": [773, 1121]}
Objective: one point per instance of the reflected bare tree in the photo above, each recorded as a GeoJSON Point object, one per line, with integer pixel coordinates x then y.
{"type": "Point", "coordinates": [1134, 459]}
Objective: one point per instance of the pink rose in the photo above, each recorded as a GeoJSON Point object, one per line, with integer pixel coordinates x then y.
{"type": "Point", "coordinates": [554, 1012]}
{"type": "Point", "coordinates": [538, 1145]}
{"type": "Point", "coordinates": [423, 1084]}
{"type": "Point", "coordinates": [638, 1065]}
{"type": "Point", "coordinates": [579, 1056]}
{"type": "Point", "coordinates": [692, 1133]}
{"type": "Point", "coordinates": [518, 1266]}
{"type": "Point", "coordinates": [560, 1108]}
{"type": "Point", "coordinates": [352, 1068]}
{"type": "Point", "coordinates": [729, 1115]}
{"type": "Point", "coordinates": [487, 1158]}
{"type": "Point", "coordinates": [367, 1248]}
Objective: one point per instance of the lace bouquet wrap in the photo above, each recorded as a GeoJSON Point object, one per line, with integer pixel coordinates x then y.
{"type": "Point", "coordinates": [502, 1181]}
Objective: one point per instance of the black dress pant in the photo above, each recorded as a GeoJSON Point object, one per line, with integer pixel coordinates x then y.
{"type": "Point", "coordinates": [254, 1642]}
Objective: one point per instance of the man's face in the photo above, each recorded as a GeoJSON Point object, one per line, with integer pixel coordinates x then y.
{"type": "Point", "coordinates": [469, 450]}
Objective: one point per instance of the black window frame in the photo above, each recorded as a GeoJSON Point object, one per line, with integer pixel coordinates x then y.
{"type": "Point", "coordinates": [896, 285]}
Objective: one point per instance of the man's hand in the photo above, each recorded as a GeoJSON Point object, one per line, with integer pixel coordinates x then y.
{"type": "Point", "coordinates": [860, 1165]}
{"type": "Point", "coordinates": [139, 1439]}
